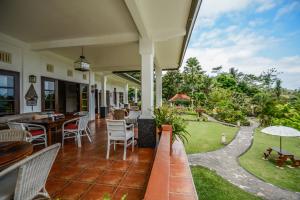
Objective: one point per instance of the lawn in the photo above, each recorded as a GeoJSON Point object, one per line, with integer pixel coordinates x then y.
{"type": "Point", "coordinates": [206, 136]}
{"type": "Point", "coordinates": [267, 170]}
{"type": "Point", "coordinates": [210, 186]}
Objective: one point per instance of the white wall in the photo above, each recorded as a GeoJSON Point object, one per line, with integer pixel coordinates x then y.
{"type": "Point", "coordinates": [29, 62]}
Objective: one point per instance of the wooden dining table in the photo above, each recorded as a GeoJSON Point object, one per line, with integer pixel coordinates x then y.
{"type": "Point", "coordinates": [49, 124]}
{"type": "Point", "coordinates": [13, 151]}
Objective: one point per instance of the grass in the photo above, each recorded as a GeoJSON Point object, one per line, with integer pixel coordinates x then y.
{"type": "Point", "coordinates": [206, 136]}
{"type": "Point", "coordinates": [210, 186]}
{"type": "Point", "coordinates": [189, 117]}
{"type": "Point", "coordinates": [266, 170]}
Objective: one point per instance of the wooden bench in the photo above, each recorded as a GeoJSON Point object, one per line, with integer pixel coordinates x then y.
{"type": "Point", "coordinates": [283, 156]}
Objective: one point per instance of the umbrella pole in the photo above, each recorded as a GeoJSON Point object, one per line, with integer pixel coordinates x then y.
{"type": "Point", "coordinates": [280, 144]}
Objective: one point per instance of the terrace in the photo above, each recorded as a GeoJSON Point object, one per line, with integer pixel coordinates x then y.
{"type": "Point", "coordinates": [39, 43]}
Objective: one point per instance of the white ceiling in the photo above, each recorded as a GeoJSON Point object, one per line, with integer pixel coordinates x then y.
{"type": "Point", "coordinates": [109, 30]}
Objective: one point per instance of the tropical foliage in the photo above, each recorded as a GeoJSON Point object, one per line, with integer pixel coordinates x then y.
{"type": "Point", "coordinates": [170, 116]}
{"type": "Point", "coordinates": [233, 96]}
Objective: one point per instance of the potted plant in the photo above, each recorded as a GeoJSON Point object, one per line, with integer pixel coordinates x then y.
{"type": "Point", "coordinates": [169, 116]}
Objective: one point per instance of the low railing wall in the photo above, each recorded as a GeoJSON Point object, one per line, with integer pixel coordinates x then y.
{"type": "Point", "coordinates": [170, 176]}
{"type": "Point", "coordinates": [158, 185]}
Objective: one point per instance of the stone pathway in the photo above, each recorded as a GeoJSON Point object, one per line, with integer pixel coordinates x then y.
{"type": "Point", "coordinates": [225, 162]}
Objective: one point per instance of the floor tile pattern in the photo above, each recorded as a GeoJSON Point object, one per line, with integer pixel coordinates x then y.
{"type": "Point", "coordinates": [85, 173]}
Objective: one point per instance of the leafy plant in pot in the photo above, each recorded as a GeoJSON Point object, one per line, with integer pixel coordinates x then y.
{"type": "Point", "coordinates": [166, 115]}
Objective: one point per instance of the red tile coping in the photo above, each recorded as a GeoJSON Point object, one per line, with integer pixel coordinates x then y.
{"type": "Point", "coordinates": [170, 177]}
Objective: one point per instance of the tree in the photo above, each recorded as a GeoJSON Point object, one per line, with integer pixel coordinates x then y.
{"type": "Point", "coordinates": [192, 75]}
{"type": "Point", "coordinates": [217, 70]}
{"type": "Point", "coordinates": [269, 77]}
{"type": "Point", "coordinates": [171, 84]}
{"type": "Point", "coordinates": [278, 88]}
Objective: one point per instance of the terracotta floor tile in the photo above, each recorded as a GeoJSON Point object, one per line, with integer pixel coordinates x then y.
{"type": "Point", "coordinates": [73, 191]}
{"type": "Point", "coordinates": [68, 173]}
{"type": "Point", "coordinates": [97, 192]}
{"type": "Point", "coordinates": [132, 194]}
{"type": "Point", "coordinates": [102, 164]}
{"type": "Point", "coordinates": [181, 185]}
{"type": "Point", "coordinates": [85, 172]}
{"type": "Point", "coordinates": [134, 180]}
{"type": "Point", "coordinates": [54, 186]}
{"type": "Point", "coordinates": [120, 165]}
{"type": "Point", "coordinates": [111, 177]}
{"type": "Point", "coordinates": [89, 175]}
{"type": "Point", "coordinates": [140, 168]}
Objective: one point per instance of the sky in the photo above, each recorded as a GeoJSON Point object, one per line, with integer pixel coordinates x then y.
{"type": "Point", "coordinates": [249, 35]}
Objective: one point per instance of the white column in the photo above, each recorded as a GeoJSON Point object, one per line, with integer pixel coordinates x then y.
{"type": "Point", "coordinates": [126, 94]}
{"type": "Point", "coordinates": [118, 99]}
{"type": "Point", "coordinates": [99, 102]}
{"type": "Point", "coordinates": [91, 96]}
{"type": "Point", "coordinates": [103, 91]}
{"type": "Point", "coordinates": [158, 74]}
{"type": "Point", "coordinates": [146, 49]}
{"type": "Point", "coordinates": [135, 95]}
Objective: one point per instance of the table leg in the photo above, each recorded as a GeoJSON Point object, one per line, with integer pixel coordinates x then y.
{"type": "Point", "coordinates": [49, 135]}
{"type": "Point", "coordinates": [281, 160]}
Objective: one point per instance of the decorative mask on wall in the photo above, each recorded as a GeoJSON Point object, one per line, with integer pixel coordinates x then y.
{"type": "Point", "coordinates": [31, 97]}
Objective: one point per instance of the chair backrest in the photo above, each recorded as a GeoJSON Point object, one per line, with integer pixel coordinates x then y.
{"type": "Point", "coordinates": [83, 123]}
{"type": "Point", "coordinates": [116, 128]}
{"type": "Point", "coordinates": [16, 126]}
{"type": "Point", "coordinates": [119, 114]}
{"type": "Point", "coordinates": [81, 113]}
{"type": "Point", "coordinates": [13, 135]}
{"type": "Point", "coordinates": [32, 172]}
{"type": "Point", "coordinates": [134, 114]}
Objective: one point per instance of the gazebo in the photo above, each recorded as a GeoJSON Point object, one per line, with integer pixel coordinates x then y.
{"type": "Point", "coordinates": [180, 97]}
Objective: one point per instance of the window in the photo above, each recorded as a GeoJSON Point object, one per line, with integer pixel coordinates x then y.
{"type": "Point", "coordinates": [9, 93]}
{"type": "Point", "coordinates": [48, 92]}
{"type": "Point", "coordinates": [84, 97]}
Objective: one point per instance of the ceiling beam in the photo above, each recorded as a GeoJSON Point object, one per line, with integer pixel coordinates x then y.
{"type": "Point", "coordinates": [136, 14]}
{"type": "Point", "coordinates": [168, 34]}
{"type": "Point", "coordinates": [115, 68]}
{"type": "Point", "coordinates": [87, 41]}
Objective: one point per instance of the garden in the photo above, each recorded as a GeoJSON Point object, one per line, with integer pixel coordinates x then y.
{"type": "Point", "coordinates": [231, 97]}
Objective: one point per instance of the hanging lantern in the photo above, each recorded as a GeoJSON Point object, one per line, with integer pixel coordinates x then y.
{"type": "Point", "coordinates": [82, 64]}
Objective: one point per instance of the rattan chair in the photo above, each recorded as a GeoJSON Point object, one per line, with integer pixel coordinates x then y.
{"type": "Point", "coordinates": [27, 178]}
{"type": "Point", "coordinates": [38, 132]}
{"type": "Point", "coordinates": [119, 114]}
{"type": "Point", "coordinates": [76, 128]}
{"type": "Point", "coordinates": [8, 135]}
{"type": "Point", "coordinates": [119, 133]}
{"type": "Point", "coordinates": [84, 113]}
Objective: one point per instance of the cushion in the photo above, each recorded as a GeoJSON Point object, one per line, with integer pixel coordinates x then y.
{"type": "Point", "coordinates": [36, 132]}
{"type": "Point", "coordinates": [71, 126]}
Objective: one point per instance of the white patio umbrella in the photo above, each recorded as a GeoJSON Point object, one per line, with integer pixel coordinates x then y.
{"type": "Point", "coordinates": [281, 131]}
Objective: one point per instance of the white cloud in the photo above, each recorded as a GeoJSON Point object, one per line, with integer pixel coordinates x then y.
{"type": "Point", "coordinates": [286, 9]}
{"type": "Point", "coordinates": [212, 9]}
{"type": "Point", "coordinates": [241, 49]}
{"type": "Point", "coordinates": [257, 22]}
{"type": "Point", "coordinates": [265, 5]}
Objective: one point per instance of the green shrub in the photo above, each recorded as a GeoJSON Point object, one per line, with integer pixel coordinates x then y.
{"type": "Point", "coordinates": [169, 115]}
